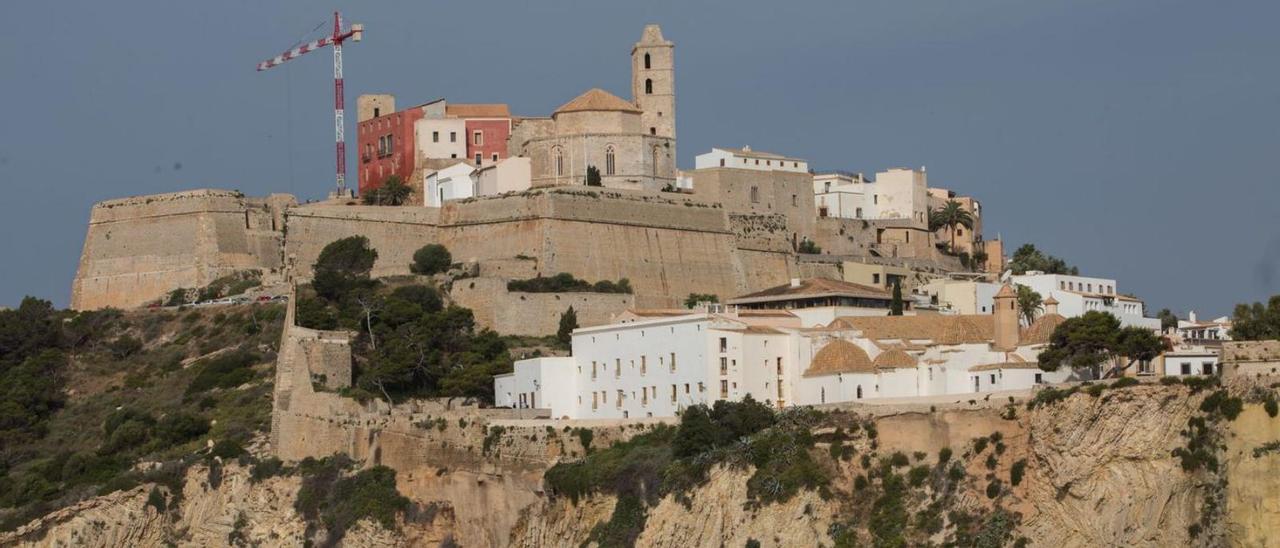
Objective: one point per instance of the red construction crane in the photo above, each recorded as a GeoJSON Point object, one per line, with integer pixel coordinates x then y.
{"type": "Point", "coordinates": [336, 39]}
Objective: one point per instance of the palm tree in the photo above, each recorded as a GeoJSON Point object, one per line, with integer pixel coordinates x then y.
{"type": "Point", "coordinates": [1029, 303]}
{"type": "Point", "coordinates": [393, 191]}
{"type": "Point", "coordinates": [951, 216]}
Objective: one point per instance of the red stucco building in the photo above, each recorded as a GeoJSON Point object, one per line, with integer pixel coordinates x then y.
{"type": "Point", "coordinates": [396, 144]}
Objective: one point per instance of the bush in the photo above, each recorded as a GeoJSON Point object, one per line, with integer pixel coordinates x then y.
{"type": "Point", "coordinates": [1125, 382]}
{"type": "Point", "coordinates": [993, 489]}
{"type": "Point", "coordinates": [1016, 472]}
{"type": "Point", "coordinates": [944, 455]}
{"type": "Point", "coordinates": [1271, 407]}
{"type": "Point", "coordinates": [898, 459]}
{"type": "Point", "coordinates": [566, 283]}
{"type": "Point", "coordinates": [180, 427]}
{"type": "Point", "coordinates": [338, 502]}
{"type": "Point", "coordinates": [155, 499]}
{"type": "Point", "coordinates": [125, 346]}
{"type": "Point", "coordinates": [225, 371]}
{"type": "Point", "coordinates": [979, 445]}
{"type": "Point", "coordinates": [431, 259]}
{"type": "Point", "coordinates": [226, 449]}
{"type": "Point", "coordinates": [1223, 404]}
{"type": "Point", "coordinates": [917, 475]}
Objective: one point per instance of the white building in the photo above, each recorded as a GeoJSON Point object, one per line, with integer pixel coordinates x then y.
{"type": "Point", "coordinates": [1213, 332]}
{"type": "Point", "coordinates": [897, 193]}
{"type": "Point", "coordinates": [464, 180]}
{"type": "Point", "coordinates": [441, 138]}
{"type": "Point", "coordinates": [1079, 294]}
{"type": "Point", "coordinates": [745, 158]}
{"type": "Point", "coordinates": [655, 363]}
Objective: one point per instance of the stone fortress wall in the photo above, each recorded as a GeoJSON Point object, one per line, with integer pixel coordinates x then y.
{"type": "Point", "coordinates": [533, 314]}
{"type": "Point", "coordinates": [140, 248]}
{"type": "Point", "coordinates": [667, 244]}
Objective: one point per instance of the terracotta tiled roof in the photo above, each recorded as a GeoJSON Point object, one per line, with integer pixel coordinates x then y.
{"type": "Point", "coordinates": [1051, 300]}
{"type": "Point", "coordinates": [814, 287]}
{"type": "Point", "coordinates": [893, 359]}
{"type": "Point", "coordinates": [494, 110]}
{"type": "Point", "coordinates": [840, 356]}
{"type": "Point", "coordinates": [754, 329]}
{"type": "Point", "coordinates": [1041, 329]}
{"type": "Point", "coordinates": [597, 99]}
{"type": "Point", "coordinates": [941, 329]}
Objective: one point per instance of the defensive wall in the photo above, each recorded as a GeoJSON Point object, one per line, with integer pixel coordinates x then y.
{"type": "Point", "coordinates": [140, 248]}
{"type": "Point", "coordinates": [533, 314]}
{"type": "Point", "coordinates": [667, 245]}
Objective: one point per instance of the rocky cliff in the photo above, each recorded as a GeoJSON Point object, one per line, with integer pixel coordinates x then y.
{"type": "Point", "coordinates": [1081, 468]}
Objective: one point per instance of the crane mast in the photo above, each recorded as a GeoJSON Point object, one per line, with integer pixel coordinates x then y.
{"type": "Point", "coordinates": [355, 33]}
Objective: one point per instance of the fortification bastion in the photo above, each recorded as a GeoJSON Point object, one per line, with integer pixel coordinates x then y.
{"type": "Point", "coordinates": [138, 249]}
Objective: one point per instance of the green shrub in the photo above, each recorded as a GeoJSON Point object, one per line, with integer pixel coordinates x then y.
{"type": "Point", "coordinates": [1125, 382]}
{"type": "Point", "coordinates": [888, 520]}
{"type": "Point", "coordinates": [155, 499]}
{"type": "Point", "coordinates": [180, 426]}
{"type": "Point", "coordinates": [979, 445]}
{"type": "Point", "coordinates": [944, 455]}
{"type": "Point", "coordinates": [228, 370]}
{"type": "Point", "coordinates": [566, 283]}
{"type": "Point", "coordinates": [125, 346]}
{"type": "Point", "coordinates": [226, 449]}
{"type": "Point", "coordinates": [266, 468]}
{"type": "Point", "coordinates": [326, 498]}
{"type": "Point", "coordinates": [1222, 403]}
{"type": "Point", "coordinates": [1050, 396]}
{"type": "Point", "coordinates": [1271, 407]}
{"type": "Point", "coordinates": [1015, 473]}
{"type": "Point", "coordinates": [993, 489]}
{"type": "Point", "coordinates": [431, 259]}
{"type": "Point", "coordinates": [917, 475]}
{"type": "Point", "coordinates": [898, 459]}
{"type": "Point", "coordinates": [1170, 381]}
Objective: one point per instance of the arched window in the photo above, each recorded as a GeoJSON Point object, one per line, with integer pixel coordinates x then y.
{"type": "Point", "coordinates": [646, 60]}
{"type": "Point", "coordinates": [609, 166]}
{"type": "Point", "coordinates": [559, 159]}
{"type": "Point", "coordinates": [648, 86]}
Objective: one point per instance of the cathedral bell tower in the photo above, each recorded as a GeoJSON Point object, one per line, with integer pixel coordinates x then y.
{"type": "Point", "coordinates": [653, 82]}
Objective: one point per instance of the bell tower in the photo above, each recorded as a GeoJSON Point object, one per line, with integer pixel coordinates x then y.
{"type": "Point", "coordinates": [653, 82]}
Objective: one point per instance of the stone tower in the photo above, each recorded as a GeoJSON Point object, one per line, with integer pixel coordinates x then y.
{"type": "Point", "coordinates": [653, 82]}
{"type": "Point", "coordinates": [1006, 318]}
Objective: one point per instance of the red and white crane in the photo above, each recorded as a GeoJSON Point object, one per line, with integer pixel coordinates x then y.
{"type": "Point", "coordinates": [336, 39]}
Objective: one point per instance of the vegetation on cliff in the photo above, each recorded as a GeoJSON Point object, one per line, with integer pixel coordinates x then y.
{"type": "Point", "coordinates": [86, 396]}
{"type": "Point", "coordinates": [409, 343]}
{"type": "Point", "coordinates": [566, 283]}
{"type": "Point", "coordinates": [1028, 258]}
{"type": "Point", "coordinates": [1257, 321]}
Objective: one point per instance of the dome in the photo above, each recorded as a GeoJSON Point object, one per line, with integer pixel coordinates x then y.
{"type": "Point", "coordinates": [840, 356]}
{"type": "Point", "coordinates": [1041, 329]}
{"type": "Point", "coordinates": [894, 358]}
{"type": "Point", "coordinates": [596, 99]}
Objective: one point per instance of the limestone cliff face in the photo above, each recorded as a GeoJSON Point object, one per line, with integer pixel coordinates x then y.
{"type": "Point", "coordinates": [235, 512]}
{"type": "Point", "coordinates": [1099, 472]}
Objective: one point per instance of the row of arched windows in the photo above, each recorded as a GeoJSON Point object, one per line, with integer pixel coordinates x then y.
{"type": "Point", "coordinates": [610, 160]}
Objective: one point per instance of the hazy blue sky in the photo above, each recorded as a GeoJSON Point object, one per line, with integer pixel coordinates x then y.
{"type": "Point", "coordinates": [1137, 139]}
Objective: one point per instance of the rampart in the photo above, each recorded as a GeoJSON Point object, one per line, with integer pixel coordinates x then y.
{"type": "Point", "coordinates": [138, 249]}
{"type": "Point", "coordinates": [535, 314]}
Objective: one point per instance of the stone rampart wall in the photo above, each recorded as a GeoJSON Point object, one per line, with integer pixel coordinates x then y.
{"type": "Point", "coordinates": [535, 314]}
{"type": "Point", "coordinates": [138, 249]}
{"type": "Point", "coordinates": [396, 232]}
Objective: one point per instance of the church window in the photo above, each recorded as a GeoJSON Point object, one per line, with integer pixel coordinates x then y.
{"type": "Point", "coordinates": [609, 165]}
{"type": "Point", "coordinates": [559, 161]}
{"type": "Point", "coordinates": [655, 160]}
{"type": "Point", "coordinates": [755, 195]}
{"type": "Point", "coordinates": [646, 60]}
{"type": "Point", "coordinates": [648, 86]}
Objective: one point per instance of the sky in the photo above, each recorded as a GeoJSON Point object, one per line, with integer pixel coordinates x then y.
{"type": "Point", "coordinates": [1135, 139]}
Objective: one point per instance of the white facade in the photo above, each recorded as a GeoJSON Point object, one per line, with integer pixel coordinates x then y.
{"type": "Point", "coordinates": [1079, 294]}
{"type": "Point", "coordinates": [745, 158]}
{"type": "Point", "coordinates": [655, 367]}
{"type": "Point", "coordinates": [441, 138]}
{"type": "Point", "coordinates": [451, 183]}
{"type": "Point", "coordinates": [961, 296]}
{"type": "Point", "coordinates": [1196, 360]}
{"type": "Point", "coordinates": [898, 193]}
{"type": "Point", "coordinates": [507, 175]}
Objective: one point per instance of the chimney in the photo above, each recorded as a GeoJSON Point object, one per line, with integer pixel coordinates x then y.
{"type": "Point", "coordinates": [1191, 316]}
{"type": "Point", "coordinates": [1051, 305]}
{"type": "Point", "coordinates": [746, 148]}
{"type": "Point", "coordinates": [1006, 318]}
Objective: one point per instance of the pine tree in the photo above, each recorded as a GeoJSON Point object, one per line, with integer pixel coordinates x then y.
{"type": "Point", "coordinates": [568, 322]}
{"type": "Point", "coordinates": [895, 306]}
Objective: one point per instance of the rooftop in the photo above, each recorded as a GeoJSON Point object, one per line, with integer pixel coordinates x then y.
{"type": "Point", "coordinates": [941, 329]}
{"type": "Point", "coordinates": [746, 151]}
{"type": "Point", "coordinates": [813, 287]}
{"type": "Point", "coordinates": [596, 99]}
{"type": "Point", "coordinates": [477, 110]}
